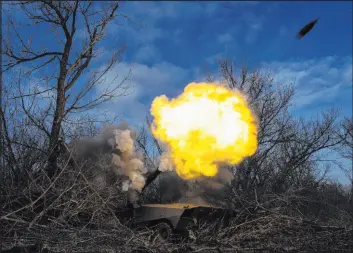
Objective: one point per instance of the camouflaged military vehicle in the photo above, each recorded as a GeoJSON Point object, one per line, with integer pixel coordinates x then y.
{"type": "Point", "coordinates": [178, 219]}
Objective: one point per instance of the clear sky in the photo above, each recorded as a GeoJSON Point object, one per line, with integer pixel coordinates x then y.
{"type": "Point", "coordinates": [170, 44]}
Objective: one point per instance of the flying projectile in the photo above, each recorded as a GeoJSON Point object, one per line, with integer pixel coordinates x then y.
{"type": "Point", "coordinates": [307, 28]}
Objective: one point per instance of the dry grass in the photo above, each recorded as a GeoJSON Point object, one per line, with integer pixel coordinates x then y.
{"type": "Point", "coordinates": [268, 233]}
{"type": "Point", "coordinates": [74, 213]}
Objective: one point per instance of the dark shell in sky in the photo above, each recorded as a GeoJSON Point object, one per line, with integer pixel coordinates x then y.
{"type": "Point", "coordinates": [307, 28]}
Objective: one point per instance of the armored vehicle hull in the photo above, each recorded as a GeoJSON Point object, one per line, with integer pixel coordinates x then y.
{"type": "Point", "coordinates": [178, 219]}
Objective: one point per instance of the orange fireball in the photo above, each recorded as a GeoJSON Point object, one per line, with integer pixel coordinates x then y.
{"type": "Point", "coordinates": [206, 125]}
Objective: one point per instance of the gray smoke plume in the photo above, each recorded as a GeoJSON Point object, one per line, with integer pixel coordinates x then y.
{"type": "Point", "coordinates": [165, 162]}
{"type": "Point", "coordinates": [117, 144]}
{"type": "Point", "coordinates": [127, 161]}
{"type": "Point", "coordinates": [203, 190]}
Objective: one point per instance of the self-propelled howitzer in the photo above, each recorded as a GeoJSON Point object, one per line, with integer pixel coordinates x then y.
{"type": "Point", "coordinates": [176, 219]}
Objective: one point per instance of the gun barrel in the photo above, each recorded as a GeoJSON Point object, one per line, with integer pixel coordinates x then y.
{"type": "Point", "coordinates": [150, 178]}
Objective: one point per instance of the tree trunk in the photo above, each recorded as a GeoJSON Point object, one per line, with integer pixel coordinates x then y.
{"type": "Point", "coordinates": [59, 112]}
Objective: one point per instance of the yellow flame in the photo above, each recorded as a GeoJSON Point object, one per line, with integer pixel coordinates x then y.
{"type": "Point", "coordinates": [205, 125]}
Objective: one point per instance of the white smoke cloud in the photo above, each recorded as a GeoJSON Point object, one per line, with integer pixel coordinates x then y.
{"type": "Point", "coordinates": [128, 162]}
{"type": "Point", "coordinates": [166, 162]}
{"type": "Point", "coordinates": [118, 143]}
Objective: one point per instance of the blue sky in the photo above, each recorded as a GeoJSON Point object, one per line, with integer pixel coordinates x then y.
{"type": "Point", "coordinates": [175, 43]}
{"type": "Point", "coordinates": [170, 44]}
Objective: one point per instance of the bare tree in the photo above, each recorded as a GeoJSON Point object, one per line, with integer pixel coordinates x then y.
{"type": "Point", "coordinates": [344, 134]}
{"type": "Point", "coordinates": [287, 147]}
{"type": "Point", "coordinates": [66, 60]}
